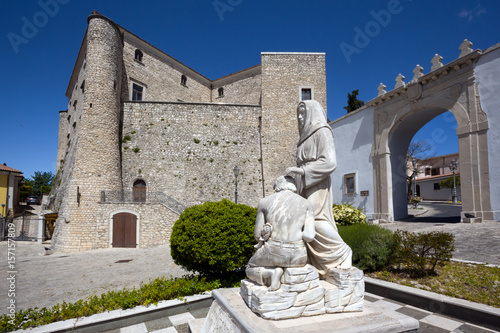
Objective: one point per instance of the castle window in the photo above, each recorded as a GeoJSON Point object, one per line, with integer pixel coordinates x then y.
{"type": "Point", "coordinates": [139, 191]}
{"type": "Point", "coordinates": [306, 94]}
{"type": "Point", "coordinates": [138, 55]}
{"type": "Point", "coordinates": [137, 92]}
{"type": "Point", "coordinates": [83, 86]}
{"type": "Point", "coordinates": [221, 92]}
{"type": "Point", "coordinates": [183, 80]}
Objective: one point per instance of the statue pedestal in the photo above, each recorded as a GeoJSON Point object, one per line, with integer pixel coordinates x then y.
{"type": "Point", "coordinates": [229, 313]}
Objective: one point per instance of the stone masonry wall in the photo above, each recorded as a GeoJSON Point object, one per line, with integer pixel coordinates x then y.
{"type": "Point", "coordinates": [97, 164]}
{"type": "Point", "coordinates": [283, 74]}
{"type": "Point", "coordinates": [162, 81]}
{"type": "Point", "coordinates": [246, 90]}
{"type": "Point", "coordinates": [188, 151]}
{"type": "Point", "coordinates": [155, 223]}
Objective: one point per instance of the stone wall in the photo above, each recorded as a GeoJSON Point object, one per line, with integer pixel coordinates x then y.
{"type": "Point", "coordinates": [240, 88]}
{"type": "Point", "coordinates": [155, 223]}
{"type": "Point", "coordinates": [161, 80]}
{"type": "Point", "coordinates": [283, 75]}
{"type": "Point", "coordinates": [188, 150]}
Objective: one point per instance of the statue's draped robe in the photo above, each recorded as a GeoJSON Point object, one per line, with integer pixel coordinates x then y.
{"type": "Point", "coordinates": [316, 156]}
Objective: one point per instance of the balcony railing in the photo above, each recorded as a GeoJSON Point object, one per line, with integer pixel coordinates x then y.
{"type": "Point", "coordinates": [142, 197]}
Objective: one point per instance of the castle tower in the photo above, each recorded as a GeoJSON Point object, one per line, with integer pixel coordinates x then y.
{"type": "Point", "coordinates": [97, 165]}
{"type": "Point", "coordinates": [287, 78]}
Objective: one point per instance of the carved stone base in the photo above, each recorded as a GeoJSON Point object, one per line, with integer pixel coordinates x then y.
{"type": "Point", "coordinates": [303, 294]}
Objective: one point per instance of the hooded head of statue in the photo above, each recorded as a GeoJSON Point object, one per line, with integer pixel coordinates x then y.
{"type": "Point", "coordinates": [311, 116]}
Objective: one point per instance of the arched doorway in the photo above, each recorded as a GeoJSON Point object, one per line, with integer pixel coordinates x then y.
{"type": "Point", "coordinates": [139, 191]}
{"type": "Point", "coordinates": [124, 230]}
{"type": "Point", "coordinates": [399, 114]}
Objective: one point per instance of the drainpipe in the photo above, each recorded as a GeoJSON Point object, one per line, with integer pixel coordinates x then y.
{"type": "Point", "coordinates": [8, 194]}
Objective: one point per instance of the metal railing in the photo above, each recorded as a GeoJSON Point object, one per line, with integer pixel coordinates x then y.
{"type": "Point", "coordinates": [142, 197]}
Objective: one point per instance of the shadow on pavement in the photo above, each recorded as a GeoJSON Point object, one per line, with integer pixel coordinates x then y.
{"type": "Point", "coordinates": [432, 219]}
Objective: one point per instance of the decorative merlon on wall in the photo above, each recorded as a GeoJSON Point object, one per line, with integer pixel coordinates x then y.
{"type": "Point", "coordinates": [436, 62]}
{"type": "Point", "coordinates": [381, 89]}
{"type": "Point", "coordinates": [400, 81]}
{"type": "Point", "coordinates": [417, 73]}
{"type": "Point", "coordinates": [465, 48]}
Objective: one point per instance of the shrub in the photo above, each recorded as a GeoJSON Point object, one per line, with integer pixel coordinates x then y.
{"type": "Point", "coordinates": [148, 293]}
{"type": "Point", "coordinates": [346, 214]}
{"type": "Point", "coordinates": [214, 238]}
{"type": "Point", "coordinates": [421, 253]}
{"type": "Point", "coordinates": [372, 246]}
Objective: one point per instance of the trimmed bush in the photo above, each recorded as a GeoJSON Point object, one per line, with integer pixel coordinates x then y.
{"type": "Point", "coordinates": [372, 246]}
{"type": "Point", "coordinates": [346, 214]}
{"type": "Point", "coordinates": [421, 253]}
{"type": "Point", "coordinates": [214, 238]}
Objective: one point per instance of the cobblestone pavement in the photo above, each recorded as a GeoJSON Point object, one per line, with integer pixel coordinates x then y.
{"type": "Point", "coordinates": [478, 242]}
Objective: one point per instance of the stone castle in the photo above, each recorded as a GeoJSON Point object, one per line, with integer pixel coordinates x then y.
{"type": "Point", "coordinates": [145, 136]}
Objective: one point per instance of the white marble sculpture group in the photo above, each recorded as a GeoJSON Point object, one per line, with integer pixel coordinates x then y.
{"type": "Point", "coordinates": [302, 267]}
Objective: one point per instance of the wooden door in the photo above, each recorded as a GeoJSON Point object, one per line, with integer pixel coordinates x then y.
{"type": "Point", "coordinates": [124, 230]}
{"type": "Point", "coordinates": [139, 191]}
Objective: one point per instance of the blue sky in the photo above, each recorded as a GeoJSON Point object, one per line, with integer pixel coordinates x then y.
{"type": "Point", "coordinates": [221, 37]}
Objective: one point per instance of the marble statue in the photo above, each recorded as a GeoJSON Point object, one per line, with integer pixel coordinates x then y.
{"type": "Point", "coordinates": [316, 160]}
{"type": "Point", "coordinates": [285, 221]}
{"type": "Point", "coordinates": [302, 267]}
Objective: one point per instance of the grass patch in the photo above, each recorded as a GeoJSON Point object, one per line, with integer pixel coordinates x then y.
{"type": "Point", "coordinates": [476, 283]}
{"type": "Point", "coordinates": [149, 293]}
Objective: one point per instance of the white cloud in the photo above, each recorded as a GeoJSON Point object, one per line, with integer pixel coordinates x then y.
{"type": "Point", "coordinates": [471, 14]}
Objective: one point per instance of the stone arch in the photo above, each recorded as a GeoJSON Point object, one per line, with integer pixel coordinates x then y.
{"type": "Point", "coordinates": [397, 120]}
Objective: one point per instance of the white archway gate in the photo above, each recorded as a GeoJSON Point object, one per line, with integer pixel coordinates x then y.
{"type": "Point", "coordinates": [400, 113]}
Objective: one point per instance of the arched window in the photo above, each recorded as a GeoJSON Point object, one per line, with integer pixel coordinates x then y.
{"type": "Point", "coordinates": [221, 92]}
{"type": "Point", "coordinates": [183, 80]}
{"type": "Point", "coordinates": [138, 55]}
{"type": "Point", "coordinates": [139, 191]}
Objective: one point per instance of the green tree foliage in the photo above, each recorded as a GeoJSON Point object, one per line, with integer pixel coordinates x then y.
{"type": "Point", "coordinates": [214, 238]}
{"type": "Point", "coordinates": [346, 214]}
{"type": "Point", "coordinates": [448, 182]}
{"type": "Point", "coordinates": [353, 103]}
{"type": "Point", "coordinates": [41, 182]}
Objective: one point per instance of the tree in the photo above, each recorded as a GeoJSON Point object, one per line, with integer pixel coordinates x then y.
{"type": "Point", "coordinates": [41, 182]}
{"type": "Point", "coordinates": [448, 182]}
{"type": "Point", "coordinates": [421, 150]}
{"type": "Point", "coordinates": [353, 103]}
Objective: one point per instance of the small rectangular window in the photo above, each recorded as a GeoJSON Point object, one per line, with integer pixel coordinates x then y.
{"type": "Point", "coordinates": [137, 92]}
{"type": "Point", "coordinates": [437, 186]}
{"type": "Point", "coordinates": [306, 94]}
{"type": "Point", "coordinates": [350, 184]}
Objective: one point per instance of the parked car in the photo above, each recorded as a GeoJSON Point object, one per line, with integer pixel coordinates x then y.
{"type": "Point", "coordinates": [33, 200]}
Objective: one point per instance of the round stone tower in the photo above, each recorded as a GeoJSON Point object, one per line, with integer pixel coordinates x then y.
{"type": "Point", "coordinates": [97, 164]}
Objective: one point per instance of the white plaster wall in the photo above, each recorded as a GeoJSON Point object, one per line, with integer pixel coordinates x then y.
{"type": "Point", "coordinates": [487, 72]}
{"type": "Point", "coordinates": [353, 144]}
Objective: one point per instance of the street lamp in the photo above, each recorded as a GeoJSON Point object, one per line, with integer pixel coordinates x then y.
{"type": "Point", "coordinates": [236, 172]}
{"type": "Point", "coordinates": [414, 162]}
{"type": "Point", "coordinates": [453, 168]}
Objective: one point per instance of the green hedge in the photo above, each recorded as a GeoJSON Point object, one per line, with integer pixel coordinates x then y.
{"type": "Point", "coordinates": [214, 238]}
{"type": "Point", "coordinates": [372, 246]}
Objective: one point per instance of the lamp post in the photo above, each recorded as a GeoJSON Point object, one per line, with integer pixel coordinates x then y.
{"type": "Point", "coordinates": [453, 168]}
{"type": "Point", "coordinates": [236, 172]}
{"type": "Point", "coordinates": [414, 162]}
